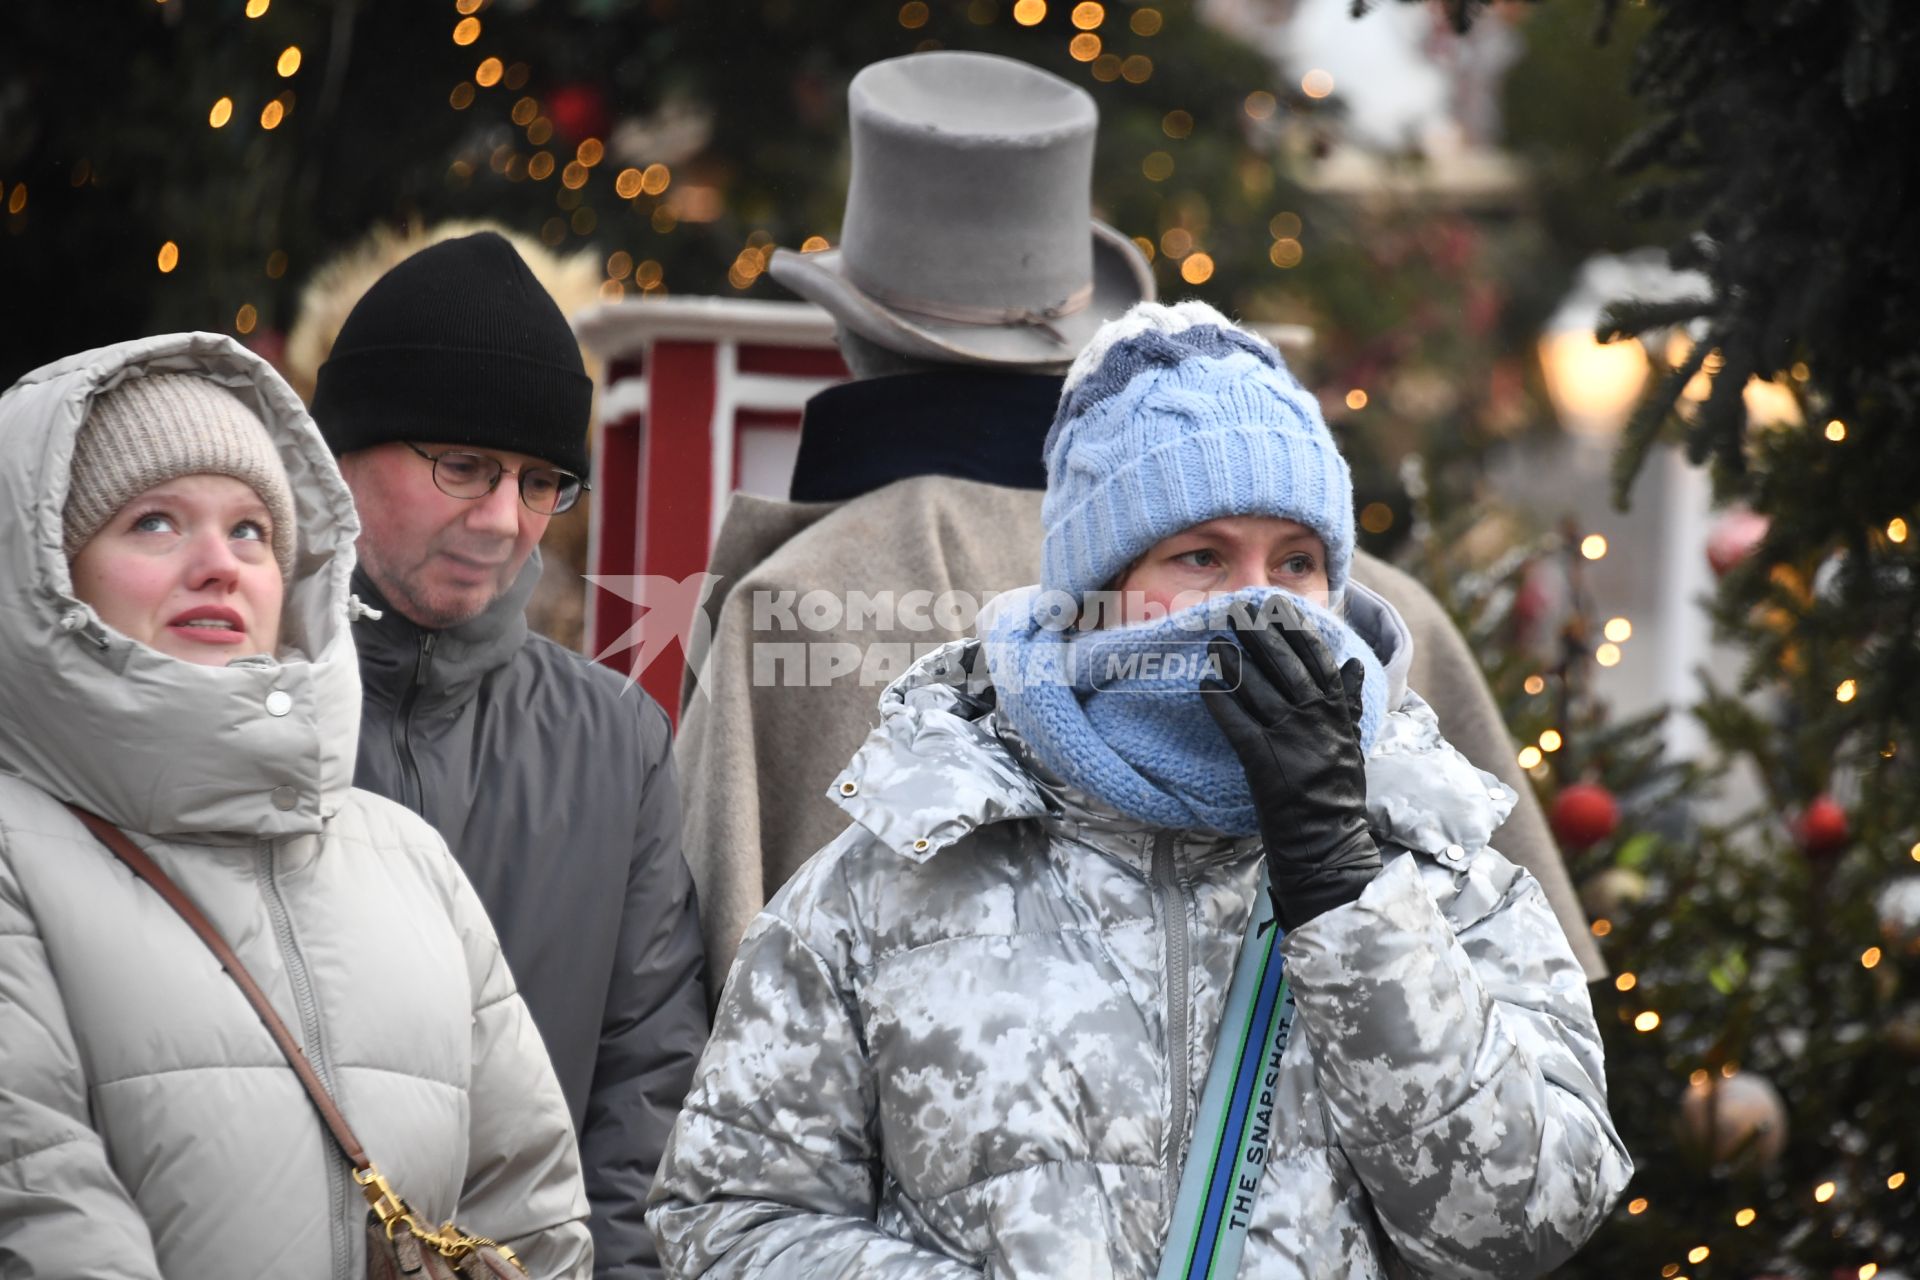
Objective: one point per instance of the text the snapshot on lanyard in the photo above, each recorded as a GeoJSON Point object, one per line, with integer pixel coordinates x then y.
{"type": "Point", "coordinates": [1233, 1129]}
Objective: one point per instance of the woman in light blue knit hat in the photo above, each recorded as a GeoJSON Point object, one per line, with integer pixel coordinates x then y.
{"type": "Point", "coordinates": [1167, 939]}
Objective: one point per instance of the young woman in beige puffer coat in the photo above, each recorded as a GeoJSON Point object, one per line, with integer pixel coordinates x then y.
{"type": "Point", "coordinates": [175, 657]}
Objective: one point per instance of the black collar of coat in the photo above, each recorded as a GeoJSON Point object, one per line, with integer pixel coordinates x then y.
{"type": "Point", "coordinates": [391, 646]}
{"type": "Point", "coordinates": [972, 424]}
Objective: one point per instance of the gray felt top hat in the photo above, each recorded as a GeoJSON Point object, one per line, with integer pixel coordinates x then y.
{"type": "Point", "coordinates": [969, 233]}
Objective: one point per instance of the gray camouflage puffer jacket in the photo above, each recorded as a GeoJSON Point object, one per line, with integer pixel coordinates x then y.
{"type": "Point", "coordinates": [970, 1036]}
{"type": "Point", "coordinates": [148, 1126]}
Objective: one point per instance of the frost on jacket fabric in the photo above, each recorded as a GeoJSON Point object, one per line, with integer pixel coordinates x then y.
{"type": "Point", "coordinates": [148, 1125]}
{"type": "Point", "coordinates": [970, 1035]}
{"type": "Point", "coordinates": [552, 780]}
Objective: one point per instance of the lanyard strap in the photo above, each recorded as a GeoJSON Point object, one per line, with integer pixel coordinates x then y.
{"type": "Point", "coordinates": [1233, 1133]}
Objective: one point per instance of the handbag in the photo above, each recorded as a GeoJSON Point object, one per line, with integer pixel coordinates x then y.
{"type": "Point", "coordinates": [401, 1245]}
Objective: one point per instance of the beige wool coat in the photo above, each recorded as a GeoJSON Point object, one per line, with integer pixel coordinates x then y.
{"type": "Point", "coordinates": [756, 755]}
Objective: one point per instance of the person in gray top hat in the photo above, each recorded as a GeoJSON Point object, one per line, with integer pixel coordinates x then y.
{"type": "Point", "coordinates": [970, 272]}
{"type": "Point", "coordinates": [968, 237]}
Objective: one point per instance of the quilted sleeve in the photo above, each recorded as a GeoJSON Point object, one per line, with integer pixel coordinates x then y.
{"type": "Point", "coordinates": [1461, 1065]}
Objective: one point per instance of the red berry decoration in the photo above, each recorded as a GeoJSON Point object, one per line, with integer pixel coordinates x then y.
{"type": "Point", "coordinates": [1531, 601]}
{"type": "Point", "coordinates": [270, 345]}
{"type": "Point", "coordinates": [1584, 813]}
{"type": "Point", "coordinates": [1821, 829]}
{"type": "Point", "coordinates": [578, 111]}
{"type": "Point", "coordinates": [1732, 539]}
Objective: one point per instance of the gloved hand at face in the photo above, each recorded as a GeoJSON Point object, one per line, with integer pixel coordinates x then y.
{"type": "Point", "coordinates": [1292, 718]}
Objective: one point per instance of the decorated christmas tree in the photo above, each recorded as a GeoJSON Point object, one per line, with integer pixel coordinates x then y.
{"type": "Point", "coordinates": [176, 164]}
{"type": "Point", "coordinates": [1784, 947]}
{"type": "Point", "coordinates": [1760, 907]}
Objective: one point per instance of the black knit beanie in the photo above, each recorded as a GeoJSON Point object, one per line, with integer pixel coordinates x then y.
{"type": "Point", "coordinates": [459, 344]}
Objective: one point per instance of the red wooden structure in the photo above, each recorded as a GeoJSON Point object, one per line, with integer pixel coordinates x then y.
{"type": "Point", "coordinates": [701, 397]}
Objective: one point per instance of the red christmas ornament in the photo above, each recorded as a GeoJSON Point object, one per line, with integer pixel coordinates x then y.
{"type": "Point", "coordinates": [1821, 829]}
{"type": "Point", "coordinates": [1532, 601]}
{"type": "Point", "coordinates": [1584, 813]}
{"type": "Point", "coordinates": [578, 111]}
{"type": "Point", "coordinates": [1733, 537]}
{"type": "Point", "coordinates": [270, 345]}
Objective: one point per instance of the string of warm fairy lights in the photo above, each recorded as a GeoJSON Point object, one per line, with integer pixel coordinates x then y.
{"type": "Point", "coordinates": [1618, 631]}
{"type": "Point", "coordinates": [1648, 1020]}
{"type": "Point", "coordinates": [1823, 1191]}
{"type": "Point", "coordinates": [1746, 1217]}
{"type": "Point", "coordinates": [641, 186]}
{"type": "Point", "coordinates": [574, 173]}
{"type": "Point", "coordinates": [1180, 242]}
{"type": "Point", "coordinates": [1091, 44]}
{"type": "Point", "coordinates": [273, 113]}
{"type": "Point", "coordinates": [1609, 653]}
{"type": "Point", "coordinates": [702, 204]}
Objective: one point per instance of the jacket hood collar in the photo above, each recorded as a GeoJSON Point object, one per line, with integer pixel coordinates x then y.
{"type": "Point", "coordinates": [262, 747]}
{"type": "Point", "coordinates": [943, 762]}
{"type": "Point", "coordinates": [391, 645]}
{"type": "Point", "coordinates": [969, 422]}
{"type": "Point", "coordinates": [934, 770]}
{"type": "Point", "coordinates": [1382, 627]}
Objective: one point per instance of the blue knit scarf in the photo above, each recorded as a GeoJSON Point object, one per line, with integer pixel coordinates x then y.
{"type": "Point", "coordinates": [1117, 712]}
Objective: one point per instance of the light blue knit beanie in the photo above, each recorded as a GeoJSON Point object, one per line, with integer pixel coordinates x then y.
{"type": "Point", "coordinates": [1173, 416]}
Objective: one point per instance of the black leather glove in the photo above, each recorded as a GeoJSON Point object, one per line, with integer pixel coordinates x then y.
{"type": "Point", "coordinates": [1294, 722]}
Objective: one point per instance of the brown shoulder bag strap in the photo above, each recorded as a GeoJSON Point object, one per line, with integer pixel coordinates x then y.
{"type": "Point", "coordinates": [144, 867]}
{"type": "Point", "coordinates": [386, 1204]}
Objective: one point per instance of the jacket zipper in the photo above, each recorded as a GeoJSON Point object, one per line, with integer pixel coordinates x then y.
{"type": "Point", "coordinates": [309, 1010]}
{"type": "Point", "coordinates": [1173, 911]}
{"type": "Point", "coordinates": [412, 794]}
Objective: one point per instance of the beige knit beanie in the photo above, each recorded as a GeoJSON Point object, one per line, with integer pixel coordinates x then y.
{"type": "Point", "coordinates": [147, 431]}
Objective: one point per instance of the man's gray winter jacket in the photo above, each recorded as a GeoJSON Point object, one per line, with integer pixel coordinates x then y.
{"type": "Point", "coordinates": [551, 779]}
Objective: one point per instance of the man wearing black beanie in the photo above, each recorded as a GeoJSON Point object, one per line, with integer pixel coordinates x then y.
{"type": "Point", "coordinates": [456, 400]}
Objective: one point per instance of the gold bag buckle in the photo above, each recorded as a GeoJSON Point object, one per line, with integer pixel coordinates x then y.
{"type": "Point", "coordinates": [447, 1240]}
